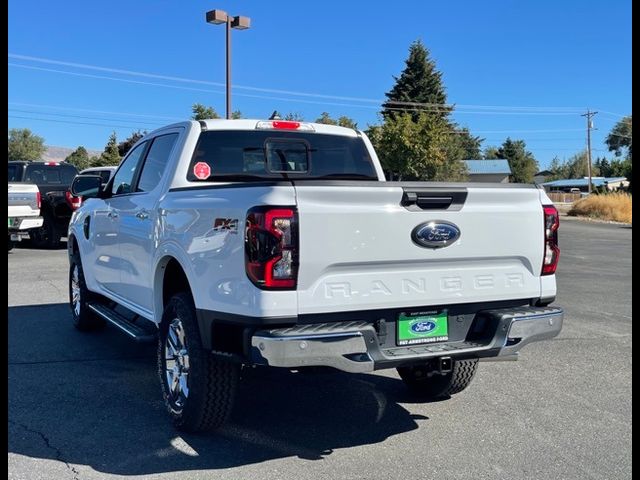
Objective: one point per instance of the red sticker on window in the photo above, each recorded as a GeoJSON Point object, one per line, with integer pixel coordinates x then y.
{"type": "Point", "coordinates": [202, 170]}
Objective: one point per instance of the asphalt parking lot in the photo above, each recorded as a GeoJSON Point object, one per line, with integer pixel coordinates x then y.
{"type": "Point", "coordinates": [88, 406]}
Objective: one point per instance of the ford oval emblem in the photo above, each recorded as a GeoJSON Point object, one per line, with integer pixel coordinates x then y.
{"type": "Point", "coordinates": [422, 327]}
{"type": "Point", "coordinates": [435, 234]}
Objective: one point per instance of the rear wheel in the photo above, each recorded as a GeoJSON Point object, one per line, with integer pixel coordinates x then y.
{"type": "Point", "coordinates": [436, 385]}
{"type": "Point", "coordinates": [47, 236]}
{"type": "Point", "coordinates": [10, 244]}
{"type": "Point", "coordinates": [198, 389]}
{"type": "Point", "coordinates": [83, 318]}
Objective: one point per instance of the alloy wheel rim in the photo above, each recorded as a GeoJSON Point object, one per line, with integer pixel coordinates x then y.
{"type": "Point", "coordinates": [75, 290]}
{"type": "Point", "coordinates": [176, 358]}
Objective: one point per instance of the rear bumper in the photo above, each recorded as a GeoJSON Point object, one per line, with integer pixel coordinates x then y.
{"type": "Point", "coordinates": [356, 347]}
{"type": "Point", "coordinates": [17, 224]}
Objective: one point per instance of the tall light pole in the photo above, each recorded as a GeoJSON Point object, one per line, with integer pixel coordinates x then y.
{"type": "Point", "coordinates": [218, 17]}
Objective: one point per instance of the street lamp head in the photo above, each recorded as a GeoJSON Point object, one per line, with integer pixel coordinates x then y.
{"type": "Point", "coordinates": [240, 23]}
{"type": "Point", "coordinates": [217, 17]}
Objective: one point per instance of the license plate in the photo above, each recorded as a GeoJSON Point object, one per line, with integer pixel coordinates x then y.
{"type": "Point", "coordinates": [422, 327]}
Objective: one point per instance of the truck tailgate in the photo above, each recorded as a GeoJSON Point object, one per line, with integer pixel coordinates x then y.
{"type": "Point", "coordinates": [23, 200]}
{"type": "Point", "coordinates": [357, 251]}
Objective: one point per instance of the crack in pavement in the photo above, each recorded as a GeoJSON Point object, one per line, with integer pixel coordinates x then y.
{"type": "Point", "coordinates": [57, 451]}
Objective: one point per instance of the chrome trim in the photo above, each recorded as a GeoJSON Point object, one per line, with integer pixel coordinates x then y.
{"type": "Point", "coordinates": [328, 350]}
{"type": "Point", "coordinates": [533, 328]}
{"type": "Point", "coordinates": [355, 347]}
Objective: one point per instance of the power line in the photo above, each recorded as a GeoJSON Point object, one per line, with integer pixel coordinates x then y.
{"type": "Point", "coordinates": [285, 92]}
{"type": "Point", "coordinates": [72, 122]}
{"type": "Point", "coordinates": [80, 116]}
{"type": "Point", "coordinates": [108, 112]}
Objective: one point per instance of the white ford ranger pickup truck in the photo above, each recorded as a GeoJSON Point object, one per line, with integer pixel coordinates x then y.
{"type": "Point", "coordinates": [23, 211]}
{"type": "Point", "coordinates": [235, 243]}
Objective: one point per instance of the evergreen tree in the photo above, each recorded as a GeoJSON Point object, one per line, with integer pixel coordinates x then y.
{"type": "Point", "coordinates": [342, 121]}
{"type": "Point", "coordinates": [490, 153]}
{"type": "Point", "coordinates": [326, 119]}
{"type": "Point", "coordinates": [522, 163]}
{"type": "Point", "coordinates": [236, 114]}
{"type": "Point", "coordinates": [110, 156]}
{"type": "Point", "coordinates": [202, 112]}
{"type": "Point", "coordinates": [125, 146]}
{"type": "Point", "coordinates": [79, 157]}
{"type": "Point", "coordinates": [419, 82]}
{"type": "Point", "coordinates": [294, 117]}
{"type": "Point", "coordinates": [347, 122]}
{"type": "Point", "coordinates": [469, 144]}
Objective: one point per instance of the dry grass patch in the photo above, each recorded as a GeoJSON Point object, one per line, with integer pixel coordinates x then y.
{"type": "Point", "coordinates": [613, 206]}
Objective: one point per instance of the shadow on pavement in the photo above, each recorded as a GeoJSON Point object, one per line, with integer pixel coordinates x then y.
{"type": "Point", "coordinates": [94, 399]}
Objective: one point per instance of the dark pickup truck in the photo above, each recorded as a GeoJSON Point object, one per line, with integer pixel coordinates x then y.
{"type": "Point", "coordinates": [53, 180]}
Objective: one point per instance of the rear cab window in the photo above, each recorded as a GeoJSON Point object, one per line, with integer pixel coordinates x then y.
{"type": "Point", "coordinates": [15, 173]}
{"type": "Point", "coordinates": [55, 174]}
{"type": "Point", "coordinates": [246, 155]}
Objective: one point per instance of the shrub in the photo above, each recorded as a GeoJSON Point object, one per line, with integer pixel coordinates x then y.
{"type": "Point", "coordinates": [614, 206]}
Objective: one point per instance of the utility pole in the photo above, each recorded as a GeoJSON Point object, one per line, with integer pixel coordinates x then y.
{"type": "Point", "coordinates": [589, 114]}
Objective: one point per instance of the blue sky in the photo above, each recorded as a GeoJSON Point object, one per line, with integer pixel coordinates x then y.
{"type": "Point", "coordinates": [520, 69]}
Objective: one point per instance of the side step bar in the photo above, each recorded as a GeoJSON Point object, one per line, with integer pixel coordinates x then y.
{"type": "Point", "coordinates": [139, 334]}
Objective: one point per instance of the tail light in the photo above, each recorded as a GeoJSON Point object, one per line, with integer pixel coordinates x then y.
{"type": "Point", "coordinates": [271, 247]}
{"type": "Point", "coordinates": [73, 201]}
{"type": "Point", "coordinates": [551, 249]}
{"type": "Point", "coordinates": [39, 199]}
{"type": "Point", "coordinates": [284, 125]}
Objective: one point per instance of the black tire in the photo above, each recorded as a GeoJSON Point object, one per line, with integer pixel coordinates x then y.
{"type": "Point", "coordinates": [439, 386]}
{"type": "Point", "coordinates": [47, 236]}
{"type": "Point", "coordinates": [11, 245]}
{"type": "Point", "coordinates": [83, 318]}
{"type": "Point", "coordinates": [211, 383]}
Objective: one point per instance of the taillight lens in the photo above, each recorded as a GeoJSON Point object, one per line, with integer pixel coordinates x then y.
{"type": "Point", "coordinates": [73, 201]}
{"type": "Point", "coordinates": [271, 247]}
{"type": "Point", "coordinates": [39, 199]}
{"type": "Point", "coordinates": [284, 125]}
{"type": "Point", "coordinates": [551, 249]}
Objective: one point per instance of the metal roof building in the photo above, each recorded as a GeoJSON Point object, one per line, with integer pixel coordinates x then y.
{"type": "Point", "coordinates": [583, 183]}
{"type": "Point", "coordinates": [491, 170]}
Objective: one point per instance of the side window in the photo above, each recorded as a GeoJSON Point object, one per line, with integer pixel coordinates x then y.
{"type": "Point", "coordinates": [68, 174]}
{"type": "Point", "coordinates": [124, 176]}
{"type": "Point", "coordinates": [156, 162]}
{"type": "Point", "coordinates": [105, 175]}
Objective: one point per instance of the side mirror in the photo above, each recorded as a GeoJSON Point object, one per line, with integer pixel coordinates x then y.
{"type": "Point", "coordinates": [87, 186]}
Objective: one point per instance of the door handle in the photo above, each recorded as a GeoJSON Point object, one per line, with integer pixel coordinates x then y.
{"type": "Point", "coordinates": [142, 215]}
{"type": "Point", "coordinates": [112, 214]}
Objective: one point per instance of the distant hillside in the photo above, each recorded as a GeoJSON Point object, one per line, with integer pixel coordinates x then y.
{"type": "Point", "coordinates": [57, 154]}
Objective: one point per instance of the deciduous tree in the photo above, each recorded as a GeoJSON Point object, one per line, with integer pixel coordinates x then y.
{"type": "Point", "coordinates": [24, 145]}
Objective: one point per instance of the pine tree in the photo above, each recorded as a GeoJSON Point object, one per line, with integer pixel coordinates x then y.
{"type": "Point", "coordinates": [110, 156]}
{"type": "Point", "coordinates": [125, 146]}
{"type": "Point", "coordinates": [522, 163]}
{"type": "Point", "coordinates": [419, 82]}
{"type": "Point", "coordinates": [202, 112]}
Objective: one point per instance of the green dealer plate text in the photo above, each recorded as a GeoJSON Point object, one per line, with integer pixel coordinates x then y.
{"type": "Point", "coordinates": [422, 327]}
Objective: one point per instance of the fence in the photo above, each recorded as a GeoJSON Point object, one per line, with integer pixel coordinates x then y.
{"type": "Point", "coordinates": [561, 197]}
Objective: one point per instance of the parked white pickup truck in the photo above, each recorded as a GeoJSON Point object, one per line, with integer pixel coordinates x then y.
{"type": "Point", "coordinates": [24, 211]}
{"type": "Point", "coordinates": [279, 243]}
